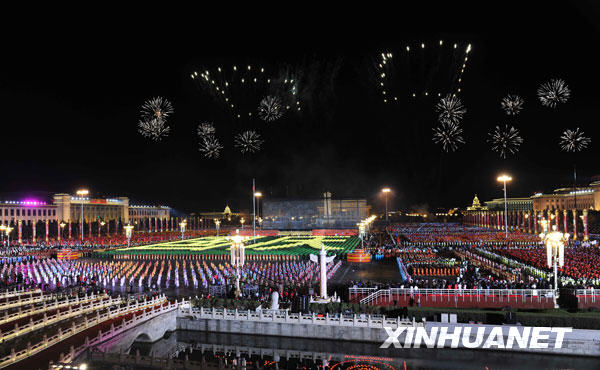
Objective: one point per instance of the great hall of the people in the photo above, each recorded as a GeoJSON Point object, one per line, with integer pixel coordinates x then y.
{"type": "Point", "coordinates": [101, 216]}
{"type": "Point", "coordinates": [567, 208]}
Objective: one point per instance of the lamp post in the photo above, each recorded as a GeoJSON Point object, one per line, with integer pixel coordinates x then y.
{"type": "Point", "coordinates": [217, 224]}
{"type": "Point", "coordinates": [386, 191]}
{"type": "Point", "coordinates": [257, 195]}
{"type": "Point", "coordinates": [555, 252]}
{"type": "Point", "coordinates": [8, 230]}
{"type": "Point", "coordinates": [182, 225]}
{"type": "Point", "coordinates": [238, 257]}
{"type": "Point", "coordinates": [2, 229]}
{"type": "Point", "coordinates": [62, 227]}
{"type": "Point", "coordinates": [504, 179]}
{"type": "Point", "coordinates": [82, 193]}
{"type": "Point", "coordinates": [128, 233]}
{"type": "Point", "coordinates": [242, 222]}
{"type": "Point", "coordinates": [102, 223]}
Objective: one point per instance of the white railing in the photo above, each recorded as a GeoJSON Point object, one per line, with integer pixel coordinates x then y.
{"type": "Point", "coordinates": [116, 330]}
{"type": "Point", "coordinates": [456, 293]}
{"type": "Point", "coordinates": [59, 316]}
{"type": "Point", "coordinates": [77, 328]}
{"type": "Point", "coordinates": [369, 321]}
{"type": "Point", "coordinates": [22, 301]}
{"type": "Point", "coordinates": [588, 295]}
{"type": "Point", "coordinates": [49, 307]}
{"type": "Point", "coordinates": [15, 293]}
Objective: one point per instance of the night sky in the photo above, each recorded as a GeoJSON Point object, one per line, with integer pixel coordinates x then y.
{"type": "Point", "coordinates": [70, 95]}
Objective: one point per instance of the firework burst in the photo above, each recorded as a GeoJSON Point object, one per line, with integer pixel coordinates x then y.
{"type": "Point", "coordinates": [512, 104]}
{"type": "Point", "coordinates": [156, 108]}
{"type": "Point", "coordinates": [270, 109]}
{"type": "Point", "coordinates": [206, 129]}
{"type": "Point", "coordinates": [210, 146]}
{"type": "Point", "coordinates": [155, 128]}
{"type": "Point", "coordinates": [553, 92]}
{"type": "Point", "coordinates": [450, 109]}
{"type": "Point", "coordinates": [449, 135]}
{"type": "Point", "coordinates": [505, 140]}
{"type": "Point", "coordinates": [574, 140]}
{"type": "Point", "coordinates": [248, 141]}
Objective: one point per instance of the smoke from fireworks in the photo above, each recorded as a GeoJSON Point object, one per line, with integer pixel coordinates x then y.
{"type": "Point", "coordinates": [210, 146]}
{"type": "Point", "coordinates": [512, 104]}
{"type": "Point", "coordinates": [270, 109]}
{"type": "Point", "coordinates": [206, 129]}
{"type": "Point", "coordinates": [449, 135]}
{"type": "Point", "coordinates": [248, 141]}
{"type": "Point", "coordinates": [553, 92]}
{"type": "Point", "coordinates": [450, 109]}
{"type": "Point", "coordinates": [505, 140]}
{"type": "Point", "coordinates": [574, 141]}
{"type": "Point", "coordinates": [153, 128]}
{"type": "Point", "coordinates": [157, 108]}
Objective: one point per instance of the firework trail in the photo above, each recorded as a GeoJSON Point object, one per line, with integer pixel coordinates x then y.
{"type": "Point", "coordinates": [512, 104]}
{"type": "Point", "coordinates": [156, 108]}
{"type": "Point", "coordinates": [574, 140]}
{"type": "Point", "coordinates": [210, 146]}
{"type": "Point", "coordinates": [450, 109]}
{"type": "Point", "coordinates": [248, 141]}
{"type": "Point", "coordinates": [449, 135]}
{"type": "Point", "coordinates": [154, 128]}
{"type": "Point", "coordinates": [270, 109]}
{"type": "Point", "coordinates": [505, 140]}
{"type": "Point", "coordinates": [553, 92]}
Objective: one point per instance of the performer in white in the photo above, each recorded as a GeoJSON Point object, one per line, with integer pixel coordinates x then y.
{"type": "Point", "coordinates": [324, 260]}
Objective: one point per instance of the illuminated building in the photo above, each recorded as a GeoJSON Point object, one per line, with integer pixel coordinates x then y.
{"type": "Point", "coordinates": [36, 220]}
{"type": "Point", "coordinates": [566, 208]}
{"type": "Point", "coordinates": [305, 214]}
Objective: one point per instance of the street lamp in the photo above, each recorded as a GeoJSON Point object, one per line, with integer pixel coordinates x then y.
{"type": "Point", "coordinates": [8, 230]}
{"type": "Point", "coordinates": [102, 223]}
{"type": "Point", "coordinates": [257, 195]}
{"type": "Point", "coordinates": [555, 251]}
{"type": "Point", "coordinates": [82, 193]}
{"type": "Point", "coordinates": [182, 225]}
{"type": "Point", "coordinates": [217, 224]}
{"type": "Point", "coordinates": [504, 179]}
{"type": "Point", "coordinates": [2, 229]}
{"type": "Point", "coordinates": [242, 222]}
{"type": "Point", "coordinates": [386, 191]}
{"type": "Point", "coordinates": [238, 257]}
{"type": "Point", "coordinates": [62, 227]}
{"type": "Point", "coordinates": [128, 232]}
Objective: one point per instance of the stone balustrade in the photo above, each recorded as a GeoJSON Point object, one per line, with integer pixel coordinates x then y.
{"type": "Point", "coordinates": [49, 307]}
{"type": "Point", "coordinates": [15, 293]}
{"type": "Point", "coordinates": [57, 317]}
{"type": "Point", "coordinates": [77, 328]}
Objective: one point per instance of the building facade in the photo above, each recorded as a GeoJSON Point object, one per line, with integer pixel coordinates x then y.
{"type": "Point", "coordinates": [35, 220]}
{"type": "Point", "coordinates": [565, 208]}
{"type": "Point", "coordinates": [306, 214]}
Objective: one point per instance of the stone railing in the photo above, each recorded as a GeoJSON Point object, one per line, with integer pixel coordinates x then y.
{"type": "Point", "coordinates": [479, 294]}
{"type": "Point", "coordinates": [59, 316]}
{"type": "Point", "coordinates": [77, 328]}
{"type": "Point", "coordinates": [49, 307]}
{"type": "Point", "coordinates": [26, 300]}
{"type": "Point", "coordinates": [15, 293]}
{"type": "Point", "coordinates": [368, 321]}
{"type": "Point", "coordinates": [116, 330]}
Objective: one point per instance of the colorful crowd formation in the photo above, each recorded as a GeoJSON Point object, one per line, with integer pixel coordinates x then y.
{"type": "Point", "coordinates": [137, 239]}
{"type": "Point", "coordinates": [262, 245]}
{"type": "Point", "coordinates": [454, 234]}
{"type": "Point", "coordinates": [185, 272]}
